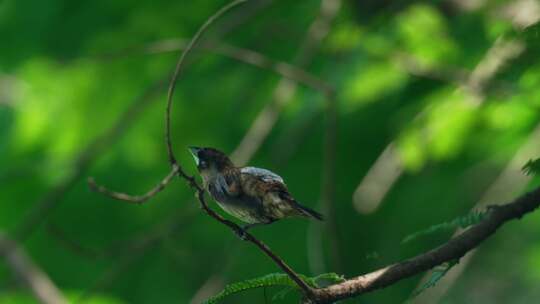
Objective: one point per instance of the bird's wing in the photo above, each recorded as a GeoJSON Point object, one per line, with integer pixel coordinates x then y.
{"type": "Point", "coordinates": [263, 174]}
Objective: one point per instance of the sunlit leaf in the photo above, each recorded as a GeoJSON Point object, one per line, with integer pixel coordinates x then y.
{"type": "Point", "coordinates": [371, 82]}
{"type": "Point", "coordinates": [424, 32]}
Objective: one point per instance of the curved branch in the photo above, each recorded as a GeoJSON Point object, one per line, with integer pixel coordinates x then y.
{"type": "Point", "coordinates": [454, 249]}
{"type": "Point", "coordinates": [135, 199]}
{"type": "Point", "coordinates": [178, 69]}
{"type": "Point", "coordinates": [306, 289]}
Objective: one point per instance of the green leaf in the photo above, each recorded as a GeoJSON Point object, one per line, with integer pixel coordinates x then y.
{"type": "Point", "coordinates": [273, 279]}
{"type": "Point", "coordinates": [436, 275]}
{"type": "Point", "coordinates": [532, 167]}
{"type": "Point", "coordinates": [470, 219]}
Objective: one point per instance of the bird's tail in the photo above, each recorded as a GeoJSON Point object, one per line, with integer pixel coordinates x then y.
{"type": "Point", "coordinates": [307, 212]}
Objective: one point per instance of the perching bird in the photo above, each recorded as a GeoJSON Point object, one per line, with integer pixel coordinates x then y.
{"type": "Point", "coordinates": [253, 195]}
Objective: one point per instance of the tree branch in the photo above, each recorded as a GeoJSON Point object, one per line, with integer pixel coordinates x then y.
{"type": "Point", "coordinates": [307, 290]}
{"type": "Point", "coordinates": [50, 200]}
{"type": "Point", "coordinates": [454, 249]}
{"type": "Point", "coordinates": [176, 74]}
{"type": "Point", "coordinates": [247, 56]}
{"type": "Point", "coordinates": [510, 180]}
{"type": "Point", "coordinates": [135, 199]}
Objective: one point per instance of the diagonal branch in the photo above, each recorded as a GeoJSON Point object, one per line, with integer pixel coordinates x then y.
{"type": "Point", "coordinates": [510, 180]}
{"type": "Point", "coordinates": [454, 249]}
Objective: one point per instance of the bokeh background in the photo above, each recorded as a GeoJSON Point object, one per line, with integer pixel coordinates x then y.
{"type": "Point", "coordinates": [435, 113]}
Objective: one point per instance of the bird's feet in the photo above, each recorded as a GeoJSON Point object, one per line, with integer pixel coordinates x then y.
{"type": "Point", "coordinates": [241, 233]}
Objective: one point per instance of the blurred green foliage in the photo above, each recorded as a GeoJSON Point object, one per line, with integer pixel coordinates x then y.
{"type": "Point", "coordinates": [69, 69]}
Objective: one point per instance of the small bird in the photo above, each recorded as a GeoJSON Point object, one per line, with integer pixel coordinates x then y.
{"type": "Point", "coordinates": [255, 196]}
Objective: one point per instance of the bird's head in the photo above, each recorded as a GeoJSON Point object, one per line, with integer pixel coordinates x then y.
{"type": "Point", "coordinates": [209, 160]}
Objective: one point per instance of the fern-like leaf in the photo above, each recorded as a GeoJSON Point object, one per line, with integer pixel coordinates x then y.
{"type": "Point", "coordinates": [274, 279]}
{"type": "Point", "coordinates": [270, 280]}
{"type": "Point", "coordinates": [470, 219]}
{"type": "Point", "coordinates": [436, 275]}
{"type": "Point", "coordinates": [532, 167]}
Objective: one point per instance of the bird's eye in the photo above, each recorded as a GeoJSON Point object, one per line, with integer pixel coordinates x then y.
{"type": "Point", "coordinates": [203, 164]}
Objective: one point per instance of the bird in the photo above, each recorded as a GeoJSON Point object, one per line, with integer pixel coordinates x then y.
{"type": "Point", "coordinates": [253, 195]}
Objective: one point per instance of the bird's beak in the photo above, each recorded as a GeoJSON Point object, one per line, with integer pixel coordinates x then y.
{"type": "Point", "coordinates": [195, 152]}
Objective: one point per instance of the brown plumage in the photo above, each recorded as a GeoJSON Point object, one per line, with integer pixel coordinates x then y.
{"type": "Point", "coordinates": [253, 195]}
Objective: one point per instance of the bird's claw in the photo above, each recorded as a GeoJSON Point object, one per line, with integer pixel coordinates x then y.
{"type": "Point", "coordinates": [241, 233]}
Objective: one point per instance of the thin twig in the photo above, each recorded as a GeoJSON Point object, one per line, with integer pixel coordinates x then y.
{"type": "Point", "coordinates": [135, 199]}
{"type": "Point", "coordinates": [178, 69]}
{"type": "Point", "coordinates": [307, 290]}
{"type": "Point", "coordinates": [240, 54]}
{"type": "Point", "coordinates": [243, 55]}
{"type": "Point", "coordinates": [51, 199]}
{"type": "Point", "coordinates": [454, 249]}
{"type": "Point", "coordinates": [248, 56]}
